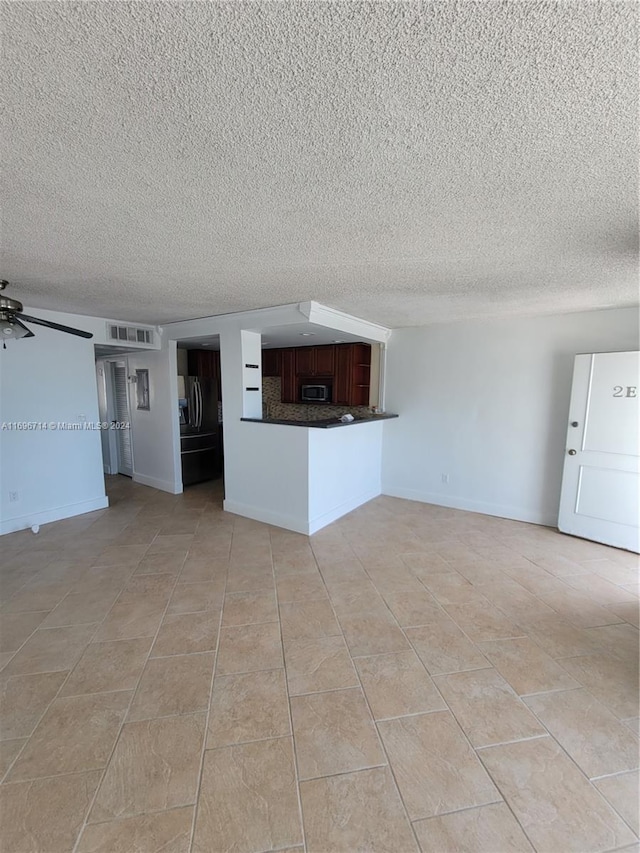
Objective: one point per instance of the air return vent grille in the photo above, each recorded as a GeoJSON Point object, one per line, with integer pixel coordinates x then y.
{"type": "Point", "coordinates": [129, 334]}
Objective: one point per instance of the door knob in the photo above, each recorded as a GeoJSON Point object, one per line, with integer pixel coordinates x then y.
{"type": "Point", "coordinates": [572, 452]}
{"type": "Point", "coordinates": [574, 423]}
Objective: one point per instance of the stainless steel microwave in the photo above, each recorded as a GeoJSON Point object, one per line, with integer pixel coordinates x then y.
{"type": "Point", "coordinates": [315, 393]}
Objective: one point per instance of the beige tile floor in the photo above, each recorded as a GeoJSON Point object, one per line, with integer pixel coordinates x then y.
{"type": "Point", "coordinates": [174, 678]}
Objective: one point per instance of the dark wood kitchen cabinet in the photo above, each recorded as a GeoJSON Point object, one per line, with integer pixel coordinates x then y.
{"type": "Point", "coordinates": [342, 379]}
{"type": "Point", "coordinates": [315, 361]}
{"type": "Point", "coordinates": [289, 380]}
{"type": "Point", "coordinates": [352, 380]}
{"type": "Point", "coordinates": [217, 372]}
{"type": "Point", "coordinates": [271, 362]}
{"type": "Point", "coordinates": [305, 361]}
{"type": "Point", "coordinates": [205, 363]}
{"type": "Point", "coordinates": [325, 360]}
{"type": "Point", "coordinates": [346, 366]}
{"type": "Point", "coordinates": [201, 363]}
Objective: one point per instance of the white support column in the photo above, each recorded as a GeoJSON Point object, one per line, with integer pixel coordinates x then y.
{"type": "Point", "coordinates": [239, 348]}
{"type": "Point", "coordinates": [251, 343]}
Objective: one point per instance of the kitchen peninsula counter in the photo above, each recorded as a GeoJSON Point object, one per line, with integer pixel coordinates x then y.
{"type": "Point", "coordinates": [322, 473]}
{"type": "Point", "coordinates": [325, 423]}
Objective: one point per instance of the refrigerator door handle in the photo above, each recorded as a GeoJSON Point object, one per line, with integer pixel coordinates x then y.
{"type": "Point", "coordinates": [192, 405]}
{"type": "Point", "coordinates": [195, 404]}
{"type": "Point", "coordinates": [199, 424]}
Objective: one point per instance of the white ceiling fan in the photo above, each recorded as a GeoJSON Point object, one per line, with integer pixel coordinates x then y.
{"type": "Point", "coordinates": [12, 327]}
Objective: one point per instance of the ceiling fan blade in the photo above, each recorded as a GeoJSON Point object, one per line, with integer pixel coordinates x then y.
{"type": "Point", "coordinates": [22, 326]}
{"type": "Point", "coordinates": [56, 326]}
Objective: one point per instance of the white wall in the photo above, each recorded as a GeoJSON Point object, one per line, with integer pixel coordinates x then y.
{"type": "Point", "coordinates": [52, 377]}
{"type": "Point", "coordinates": [303, 478]}
{"type": "Point", "coordinates": [155, 433]}
{"type": "Point", "coordinates": [55, 473]}
{"type": "Point", "coordinates": [267, 474]}
{"type": "Point", "coordinates": [486, 402]}
{"type": "Point", "coordinates": [344, 470]}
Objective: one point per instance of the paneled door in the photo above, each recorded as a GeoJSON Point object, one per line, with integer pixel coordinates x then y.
{"type": "Point", "coordinates": [601, 477]}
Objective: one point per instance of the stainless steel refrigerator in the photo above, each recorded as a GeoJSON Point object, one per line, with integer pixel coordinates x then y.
{"type": "Point", "coordinates": [200, 433]}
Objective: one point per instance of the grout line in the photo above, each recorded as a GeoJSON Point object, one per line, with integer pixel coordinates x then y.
{"type": "Point", "coordinates": [15, 758]}
{"type": "Point", "coordinates": [413, 714]}
{"type": "Point", "coordinates": [56, 776]}
{"type": "Point", "coordinates": [347, 773]}
{"type": "Point", "coordinates": [92, 693]}
{"type": "Point", "coordinates": [613, 775]}
{"type": "Point", "coordinates": [206, 730]}
{"type": "Point", "coordinates": [547, 734]}
{"type": "Point", "coordinates": [459, 811]}
{"type": "Point", "coordinates": [122, 818]}
{"type": "Point", "coordinates": [288, 695]}
{"type": "Point", "coordinates": [251, 624]}
{"type": "Point", "coordinates": [552, 690]}
{"type": "Point", "coordinates": [245, 742]}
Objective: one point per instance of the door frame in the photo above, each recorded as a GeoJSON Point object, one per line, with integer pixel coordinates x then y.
{"type": "Point", "coordinates": [117, 362]}
{"type": "Point", "coordinates": [106, 411]}
{"type": "Point", "coordinates": [111, 414]}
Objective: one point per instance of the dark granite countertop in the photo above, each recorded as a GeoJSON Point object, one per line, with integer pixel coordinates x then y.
{"type": "Point", "coordinates": [325, 423]}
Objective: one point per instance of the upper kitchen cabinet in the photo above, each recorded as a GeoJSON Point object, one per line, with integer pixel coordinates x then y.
{"type": "Point", "coordinates": [271, 362]}
{"type": "Point", "coordinates": [352, 382]}
{"type": "Point", "coordinates": [201, 363]}
{"type": "Point", "coordinates": [342, 379]}
{"type": "Point", "coordinates": [346, 366]}
{"type": "Point", "coordinates": [205, 363]}
{"type": "Point", "coordinates": [305, 361]}
{"type": "Point", "coordinates": [315, 361]}
{"type": "Point", "coordinates": [289, 384]}
{"type": "Point", "coordinates": [325, 360]}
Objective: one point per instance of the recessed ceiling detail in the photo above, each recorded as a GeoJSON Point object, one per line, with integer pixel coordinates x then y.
{"type": "Point", "coordinates": [404, 162]}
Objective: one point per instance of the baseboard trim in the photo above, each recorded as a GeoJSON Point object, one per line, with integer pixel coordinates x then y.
{"type": "Point", "coordinates": [23, 522]}
{"type": "Point", "coordinates": [337, 512]}
{"type": "Point", "coordinates": [155, 483]}
{"type": "Point", "coordinates": [514, 513]}
{"type": "Point", "coordinates": [259, 514]}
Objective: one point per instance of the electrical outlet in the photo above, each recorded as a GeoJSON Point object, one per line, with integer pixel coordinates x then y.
{"type": "Point", "coordinates": [445, 478]}
{"type": "Point", "coordinates": [13, 497]}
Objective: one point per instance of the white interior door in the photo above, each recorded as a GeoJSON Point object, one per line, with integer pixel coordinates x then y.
{"type": "Point", "coordinates": [601, 478]}
{"type": "Point", "coordinates": [122, 416]}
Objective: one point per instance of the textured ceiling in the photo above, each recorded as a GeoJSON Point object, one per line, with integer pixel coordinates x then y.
{"type": "Point", "coordinates": [405, 162]}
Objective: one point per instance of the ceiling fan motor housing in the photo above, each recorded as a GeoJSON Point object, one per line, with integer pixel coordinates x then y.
{"type": "Point", "coordinates": [11, 315]}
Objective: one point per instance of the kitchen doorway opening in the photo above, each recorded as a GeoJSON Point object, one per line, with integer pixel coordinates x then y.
{"type": "Point", "coordinates": [200, 410]}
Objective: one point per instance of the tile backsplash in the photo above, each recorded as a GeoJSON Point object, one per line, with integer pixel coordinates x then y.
{"type": "Point", "coordinates": [272, 407]}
